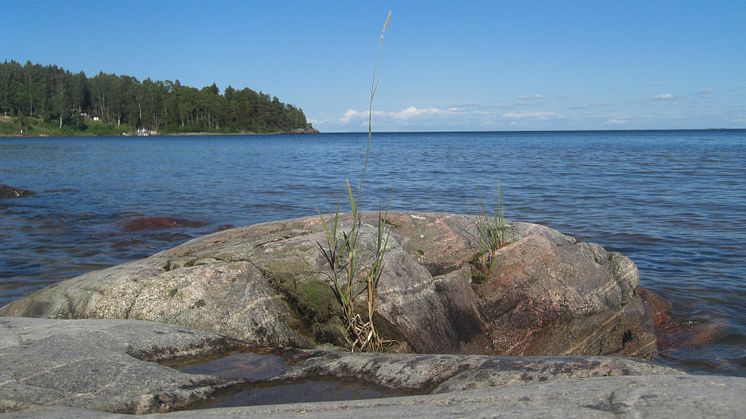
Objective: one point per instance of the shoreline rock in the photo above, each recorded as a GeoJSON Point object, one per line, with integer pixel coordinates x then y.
{"type": "Point", "coordinates": [264, 284]}
{"type": "Point", "coordinates": [304, 131]}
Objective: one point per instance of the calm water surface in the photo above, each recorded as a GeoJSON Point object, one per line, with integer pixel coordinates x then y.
{"type": "Point", "coordinates": [673, 201]}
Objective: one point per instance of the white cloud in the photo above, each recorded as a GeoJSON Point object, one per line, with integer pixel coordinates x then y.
{"type": "Point", "coordinates": [349, 116]}
{"type": "Point", "coordinates": [664, 96]}
{"type": "Point", "coordinates": [531, 97]}
{"type": "Point", "coordinates": [618, 120]}
{"type": "Point", "coordinates": [405, 114]}
{"type": "Point", "coordinates": [412, 112]}
{"type": "Point", "coordinates": [468, 115]}
{"type": "Point", "coordinates": [540, 115]}
{"type": "Point", "coordinates": [530, 115]}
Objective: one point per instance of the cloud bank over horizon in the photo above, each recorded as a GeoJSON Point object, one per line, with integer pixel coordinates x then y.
{"type": "Point", "coordinates": [542, 112]}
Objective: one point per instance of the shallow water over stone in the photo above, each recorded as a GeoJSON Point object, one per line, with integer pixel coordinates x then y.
{"type": "Point", "coordinates": [249, 365]}
{"type": "Point", "coordinates": [673, 201]}
{"type": "Point", "coordinates": [319, 390]}
{"type": "Point", "coordinates": [259, 367]}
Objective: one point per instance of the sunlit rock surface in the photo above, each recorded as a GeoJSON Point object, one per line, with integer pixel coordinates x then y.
{"type": "Point", "coordinates": [266, 284]}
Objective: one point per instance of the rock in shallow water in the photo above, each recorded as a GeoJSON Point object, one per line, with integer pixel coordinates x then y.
{"type": "Point", "coordinates": [155, 223]}
{"type": "Point", "coordinates": [672, 334]}
{"type": "Point", "coordinates": [11, 192]}
{"type": "Point", "coordinates": [547, 295]}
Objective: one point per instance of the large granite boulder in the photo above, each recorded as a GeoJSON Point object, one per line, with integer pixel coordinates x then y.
{"type": "Point", "coordinates": [266, 284]}
{"type": "Point", "coordinates": [11, 192]}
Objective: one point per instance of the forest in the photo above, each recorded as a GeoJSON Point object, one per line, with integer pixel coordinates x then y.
{"type": "Point", "coordinates": [50, 99]}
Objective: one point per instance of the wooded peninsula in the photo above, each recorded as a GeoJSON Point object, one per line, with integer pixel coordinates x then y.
{"type": "Point", "coordinates": [49, 100]}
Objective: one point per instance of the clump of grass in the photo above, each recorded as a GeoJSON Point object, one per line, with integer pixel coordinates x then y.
{"type": "Point", "coordinates": [349, 278]}
{"type": "Point", "coordinates": [491, 233]}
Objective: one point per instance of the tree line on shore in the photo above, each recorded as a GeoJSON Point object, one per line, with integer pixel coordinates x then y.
{"type": "Point", "coordinates": [71, 100]}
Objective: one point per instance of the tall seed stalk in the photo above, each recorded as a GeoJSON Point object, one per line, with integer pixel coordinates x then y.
{"type": "Point", "coordinates": [342, 253]}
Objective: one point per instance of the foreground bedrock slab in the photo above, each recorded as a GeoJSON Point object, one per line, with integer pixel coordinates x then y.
{"type": "Point", "coordinates": [107, 365]}
{"type": "Point", "coordinates": [445, 373]}
{"type": "Point", "coordinates": [100, 364]}
{"type": "Point", "coordinates": [613, 397]}
{"type": "Point", "coordinates": [547, 294]}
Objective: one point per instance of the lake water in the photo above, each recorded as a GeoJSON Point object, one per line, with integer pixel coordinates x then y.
{"type": "Point", "coordinates": [673, 201]}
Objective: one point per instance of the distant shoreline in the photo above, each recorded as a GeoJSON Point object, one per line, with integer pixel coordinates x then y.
{"type": "Point", "coordinates": [165, 134]}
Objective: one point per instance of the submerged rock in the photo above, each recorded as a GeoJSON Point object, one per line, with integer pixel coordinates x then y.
{"type": "Point", "coordinates": [672, 334]}
{"type": "Point", "coordinates": [156, 223]}
{"type": "Point", "coordinates": [11, 192]}
{"type": "Point", "coordinates": [223, 227]}
{"type": "Point", "coordinates": [546, 295]}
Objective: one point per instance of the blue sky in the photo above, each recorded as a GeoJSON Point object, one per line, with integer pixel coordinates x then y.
{"type": "Point", "coordinates": [456, 65]}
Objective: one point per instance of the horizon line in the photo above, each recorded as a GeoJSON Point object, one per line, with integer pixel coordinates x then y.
{"type": "Point", "coordinates": [535, 131]}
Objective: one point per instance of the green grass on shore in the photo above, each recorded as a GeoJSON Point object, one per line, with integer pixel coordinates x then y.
{"type": "Point", "coordinates": [36, 127]}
